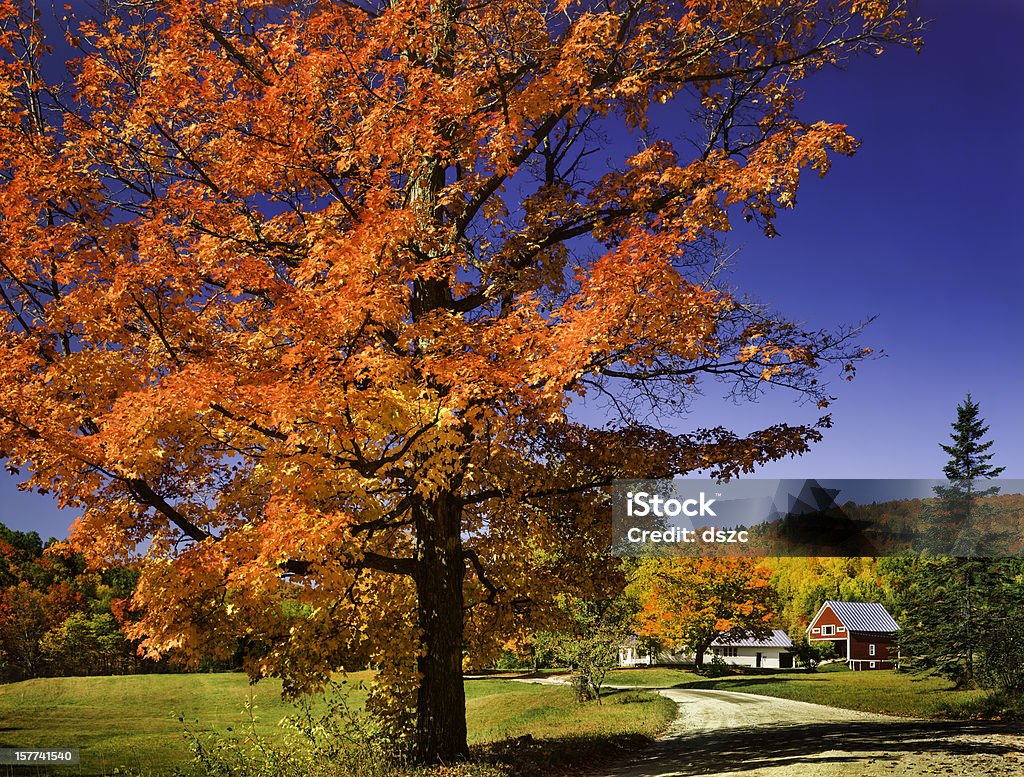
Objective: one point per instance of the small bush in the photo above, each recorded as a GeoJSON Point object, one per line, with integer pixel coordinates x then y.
{"type": "Point", "coordinates": [716, 667]}
{"type": "Point", "coordinates": [809, 655]}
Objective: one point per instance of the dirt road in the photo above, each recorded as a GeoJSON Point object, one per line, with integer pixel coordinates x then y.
{"type": "Point", "coordinates": [727, 733]}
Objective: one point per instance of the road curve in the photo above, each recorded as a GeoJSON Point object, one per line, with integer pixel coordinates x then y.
{"type": "Point", "coordinates": [729, 733]}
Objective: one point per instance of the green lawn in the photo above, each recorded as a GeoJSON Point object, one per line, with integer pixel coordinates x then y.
{"type": "Point", "coordinates": [130, 721]}
{"type": "Point", "coordinates": [652, 677]}
{"type": "Point", "coordinates": [133, 722]}
{"type": "Point", "coordinates": [498, 710]}
{"type": "Point", "coordinates": [885, 691]}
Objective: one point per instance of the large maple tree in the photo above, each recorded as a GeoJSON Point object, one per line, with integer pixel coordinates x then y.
{"type": "Point", "coordinates": [294, 298]}
{"type": "Point", "coordinates": [686, 603]}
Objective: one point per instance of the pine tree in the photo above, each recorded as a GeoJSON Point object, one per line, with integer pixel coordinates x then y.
{"type": "Point", "coordinates": [968, 459]}
{"type": "Point", "coordinates": [956, 603]}
{"type": "Point", "coordinates": [957, 508]}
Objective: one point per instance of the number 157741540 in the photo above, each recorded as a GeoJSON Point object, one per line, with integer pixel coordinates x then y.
{"type": "Point", "coordinates": [45, 755]}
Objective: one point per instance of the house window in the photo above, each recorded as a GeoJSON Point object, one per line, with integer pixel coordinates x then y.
{"type": "Point", "coordinates": [871, 664]}
{"type": "Point", "coordinates": [828, 631]}
{"type": "Point", "coordinates": [840, 629]}
{"type": "Point", "coordinates": [728, 652]}
{"type": "Point", "coordinates": [816, 630]}
{"type": "Point", "coordinates": [871, 650]}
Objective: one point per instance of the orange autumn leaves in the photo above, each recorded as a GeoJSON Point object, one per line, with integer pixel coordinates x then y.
{"type": "Point", "coordinates": [687, 603]}
{"type": "Point", "coordinates": [283, 282]}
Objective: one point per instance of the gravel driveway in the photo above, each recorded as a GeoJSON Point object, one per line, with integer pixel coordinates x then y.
{"type": "Point", "coordinates": [728, 733]}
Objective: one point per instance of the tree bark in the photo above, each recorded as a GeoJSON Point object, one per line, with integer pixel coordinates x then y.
{"type": "Point", "coordinates": [441, 701]}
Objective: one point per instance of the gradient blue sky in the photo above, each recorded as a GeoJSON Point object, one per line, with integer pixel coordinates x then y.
{"type": "Point", "coordinates": [923, 227]}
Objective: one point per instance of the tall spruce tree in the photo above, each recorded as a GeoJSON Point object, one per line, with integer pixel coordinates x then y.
{"type": "Point", "coordinates": [955, 513]}
{"type": "Point", "coordinates": [968, 456]}
{"type": "Point", "coordinates": [955, 603]}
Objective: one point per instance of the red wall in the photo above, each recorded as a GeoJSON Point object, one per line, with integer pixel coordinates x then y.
{"type": "Point", "coordinates": [827, 617]}
{"type": "Point", "coordinates": [885, 650]}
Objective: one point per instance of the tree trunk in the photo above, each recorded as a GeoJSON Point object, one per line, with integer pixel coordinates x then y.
{"type": "Point", "coordinates": [698, 658]}
{"type": "Point", "coordinates": [441, 701]}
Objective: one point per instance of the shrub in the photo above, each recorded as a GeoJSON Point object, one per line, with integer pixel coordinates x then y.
{"type": "Point", "coordinates": [809, 655]}
{"type": "Point", "coordinates": [716, 667]}
{"type": "Point", "coordinates": [1001, 665]}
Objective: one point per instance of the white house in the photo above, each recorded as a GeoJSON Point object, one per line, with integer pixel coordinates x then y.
{"type": "Point", "coordinates": [632, 655]}
{"type": "Point", "coordinates": [772, 652]}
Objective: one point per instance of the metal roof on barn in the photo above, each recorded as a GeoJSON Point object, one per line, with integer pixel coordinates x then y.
{"type": "Point", "coordinates": [862, 616]}
{"type": "Point", "coordinates": [778, 638]}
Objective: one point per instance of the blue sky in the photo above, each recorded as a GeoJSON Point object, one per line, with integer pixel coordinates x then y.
{"type": "Point", "coordinates": [923, 227]}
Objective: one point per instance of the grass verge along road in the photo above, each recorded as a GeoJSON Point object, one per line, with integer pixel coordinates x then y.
{"type": "Point", "coordinates": [886, 692]}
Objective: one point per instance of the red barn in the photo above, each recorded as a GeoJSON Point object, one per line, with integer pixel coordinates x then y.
{"type": "Point", "coordinates": [864, 633]}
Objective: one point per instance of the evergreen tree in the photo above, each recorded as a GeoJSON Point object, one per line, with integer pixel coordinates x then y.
{"type": "Point", "coordinates": [954, 605]}
{"type": "Point", "coordinates": [968, 459]}
{"type": "Point", "coordinates": [953, 517]}
{"type": "Point", "coordinates": [953, 610]}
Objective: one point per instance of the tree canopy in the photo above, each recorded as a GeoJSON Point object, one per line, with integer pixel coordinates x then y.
{"type": "Point", "coordinates": [299, 293]}
{"type": "Point", "coordinates": [688, 603]}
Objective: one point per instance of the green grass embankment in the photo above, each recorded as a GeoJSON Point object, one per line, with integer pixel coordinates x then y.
{"type": "Point", "coordinates": [137, 723]}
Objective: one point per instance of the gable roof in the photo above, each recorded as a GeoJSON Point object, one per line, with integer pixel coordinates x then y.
{"type": "Point", "coordinates": [860, 616]}
{"type": "Point", "coordinates": [778, 638]}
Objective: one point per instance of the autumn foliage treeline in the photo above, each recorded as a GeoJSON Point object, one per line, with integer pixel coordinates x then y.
{"type": "Point", "coordinates": [959, 617]}
{"type": "Point", "coordinates": [57, 618]}
{"type": "Point", "coordinates": [684, 604]}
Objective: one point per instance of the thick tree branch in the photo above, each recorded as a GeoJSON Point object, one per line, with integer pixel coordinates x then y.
{"type": "Point", "coordinates": [473, 558]}
{"type": "Point", "coordinates": [395, 566]}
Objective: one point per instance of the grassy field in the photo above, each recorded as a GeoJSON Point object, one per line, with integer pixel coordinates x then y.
{"type": "Point", "coordinates": [138, 722]}
{"type": "Point", "coordinates": [131, 721]}
{"type": "Point", "coordinates": [652, 677]}
{"type": "Point", "coordinates": [497, 710]}
{"type": "Point", "coordinates": [887, 692]}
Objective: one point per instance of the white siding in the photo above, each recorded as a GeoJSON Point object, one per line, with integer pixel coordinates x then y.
{"type": "Point", "coordinates": [747, 656]}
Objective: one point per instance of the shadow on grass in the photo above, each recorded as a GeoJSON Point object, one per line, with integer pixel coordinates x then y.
{"type": "Point", "coordinates": [725, 684]}
{"type": "Point", "coordinates": [514, 674]}
{"type": "Point", "coordinates": [859, 744]}
{"type": "Point", "coordinates": [580, 755]}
